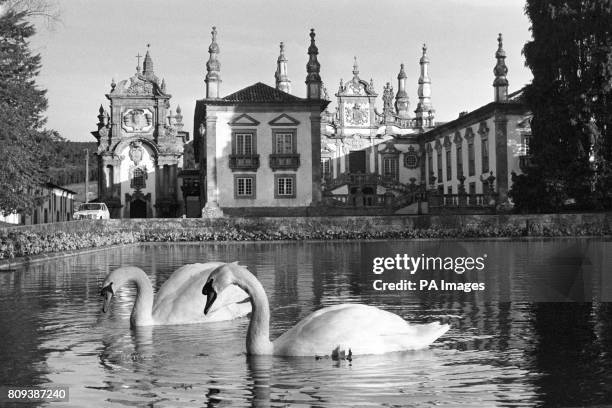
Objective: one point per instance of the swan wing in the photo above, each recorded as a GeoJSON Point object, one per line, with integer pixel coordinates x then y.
{"type": "Point", "coordinates": [360, 328]}
{"type": "Point", "coordinates": [180, 298]}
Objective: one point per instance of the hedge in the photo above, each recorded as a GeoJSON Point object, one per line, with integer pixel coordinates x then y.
{"type": "Point", "coordinates": [18, 243]}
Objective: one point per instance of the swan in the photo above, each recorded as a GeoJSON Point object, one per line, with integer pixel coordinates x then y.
{"type": "Point", "coordinates": [178, 301]}
{"type": "Point", "coordinates": [340, 331]}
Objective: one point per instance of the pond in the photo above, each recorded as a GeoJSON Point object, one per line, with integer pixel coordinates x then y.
{"type": "Point", "coordinates": [539, 333]}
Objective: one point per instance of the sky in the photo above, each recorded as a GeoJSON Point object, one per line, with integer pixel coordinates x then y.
{"type": "Point", "coordinates": [96, 42]}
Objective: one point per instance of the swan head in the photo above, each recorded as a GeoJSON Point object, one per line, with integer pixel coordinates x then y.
{"type": "Point", "coordinates": [113, 282]}
{"type": "Point", "coordinates": [107, 293]}
{"type": "Point", "coordinates": [218, 280]}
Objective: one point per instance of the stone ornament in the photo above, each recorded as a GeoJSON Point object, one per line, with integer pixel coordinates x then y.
{"type": "Point", "coordinates": [357, 114]}
{"type": "Point", "coordinates": [137, 120]}
{"type": "Point", "coordinates": [136, 152]}
{"type": "Point", "coordinates": [411, 158]}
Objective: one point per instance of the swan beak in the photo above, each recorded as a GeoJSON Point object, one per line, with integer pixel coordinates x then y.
{"type": "Point", "coordinates": [107, 293]}
{"type": "Point", "coordinates": [211, 296]}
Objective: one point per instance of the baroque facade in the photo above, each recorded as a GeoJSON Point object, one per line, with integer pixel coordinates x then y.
{"type": "Point", "coordinates": [399, 161]}
{"type": "Point", "coordinates": [140, 148]}
{"type": "Point", "coordinates": [264, 151]}
{"type": "Point", "coordinates": [259, 149]}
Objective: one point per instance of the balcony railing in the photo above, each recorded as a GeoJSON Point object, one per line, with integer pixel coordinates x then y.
{"type": "Point", "coordinates": [244, 162]}
{"type": "Point", "coordinates": [462, 201]}
{"type": "Point", "coordinates": [285, 161]}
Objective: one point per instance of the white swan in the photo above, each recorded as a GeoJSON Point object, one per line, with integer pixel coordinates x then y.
{"type": "Point", "coordinates": [178, 301]}
{"type": "Point", "coordinates": [340, 331]}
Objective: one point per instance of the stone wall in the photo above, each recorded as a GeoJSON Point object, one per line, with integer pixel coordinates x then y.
{"type": "Point", "coordinates": [347, 223]}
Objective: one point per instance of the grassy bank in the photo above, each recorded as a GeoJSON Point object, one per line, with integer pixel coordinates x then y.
{"type": "Point", "coordinates": [27, 241]}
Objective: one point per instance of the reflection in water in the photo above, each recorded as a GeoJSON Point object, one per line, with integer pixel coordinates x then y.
{"type": "Point", "coordinates": [508, 346]}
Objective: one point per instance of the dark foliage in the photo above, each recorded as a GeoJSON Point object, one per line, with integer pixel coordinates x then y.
{"type": "Point", "coordinates": [22, 104]}
{"type": "Point", "coordinates": [570, 97]}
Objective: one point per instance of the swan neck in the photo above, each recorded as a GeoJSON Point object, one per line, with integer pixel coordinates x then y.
{"type": "Point", "coordinates": [143, 307]}
{"type": "Point", "coordinates": [258, 335]}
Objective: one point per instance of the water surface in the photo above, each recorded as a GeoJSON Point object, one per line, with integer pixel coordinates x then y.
{"type": "Point", "coordinates": [528, 339]}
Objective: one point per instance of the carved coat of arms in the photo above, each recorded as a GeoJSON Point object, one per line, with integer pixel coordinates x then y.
{"type": "Point", "coordinates": [357, 114]}
{"type": "Point", "coordinates": [137, 120]}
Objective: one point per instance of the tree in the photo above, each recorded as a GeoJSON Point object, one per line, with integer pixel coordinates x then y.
{"type": "Point", "coordinates": [22, 103]}
{"type": "Point", "coordinates": [570, 57]}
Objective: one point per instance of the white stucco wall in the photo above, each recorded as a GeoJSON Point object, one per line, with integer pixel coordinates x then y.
{"type": "Point", "coordinates": [264, 185]}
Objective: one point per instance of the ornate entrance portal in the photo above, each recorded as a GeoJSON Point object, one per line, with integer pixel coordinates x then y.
{"type": "Point", "coordinates": [138, 209]}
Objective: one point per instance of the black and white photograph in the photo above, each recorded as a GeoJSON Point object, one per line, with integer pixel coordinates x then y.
{"type": "Point", "coordinates": [267, 203]}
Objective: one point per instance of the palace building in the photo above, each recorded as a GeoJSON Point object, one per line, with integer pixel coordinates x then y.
{"type": "Point", "coordinates": [140, 148]}
{"type": "Point", "coordinates": [259, 149]}
{"type": "Point", "coordinates": [264, 151]}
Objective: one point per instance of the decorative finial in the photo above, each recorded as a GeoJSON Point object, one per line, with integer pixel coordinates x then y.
{"type": "Point", "coordinates": [355, 67]}
{"type": "Point", "coordinates": [138, 56]}
{"type": "Point", "coordinates": [313, 78]}
{"type": "Point", "coordinates": [501, 70]}
{"type": "Point", "coordinates": [178, 109]}
{"type": "Point", "coordinates": [282, 79]}
{"type": "Point", "coordinates": [213, 68]}
{"type": "Point", "coordinates": [147, 65]}
{"type": "Point", "coordinates": [424, 110]}
{"type": "Point", "coordinates": [281, 57]}
{"type": "Point", "coordinates": [163, 85]}
{"type": "Point", "coordinates": [424, 58]}
{"type": "Point", "coordinates": [402, 73]}
{"type": "Point", "coordinates": [113, 84]}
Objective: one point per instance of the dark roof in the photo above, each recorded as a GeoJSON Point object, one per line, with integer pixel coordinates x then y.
{"type": "Point", "coordinates": [261, 92]}
{"type": "Point", "coordinates": [53, 185]}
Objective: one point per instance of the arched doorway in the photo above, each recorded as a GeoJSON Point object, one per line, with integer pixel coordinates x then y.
{"type": "Point", "coordinates": [138, 209]}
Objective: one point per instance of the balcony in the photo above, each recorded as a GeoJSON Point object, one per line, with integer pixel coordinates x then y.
{"type": "Point", "coordinates": [244, 162]}
{"type": "Point", "coordinates": [285, 161]}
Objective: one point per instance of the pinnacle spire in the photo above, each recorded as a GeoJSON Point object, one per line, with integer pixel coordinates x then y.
{"type": "Point", "coordinates": [402, 102]}
{"type": "Point", "coordinates": [313, 78]}
{"type": "Point", "coordinates": [282, 80]}
{"type": "Point", "coordinates": [501, 82]}
{"type": "Point", "coordinates": [213, 67]}
{"type": "Point", "coordinates": [402, 73]}
{"type": "Point", "coordinates": [424, 111]}
{"type": "Point", "coordinates": [147, 65]}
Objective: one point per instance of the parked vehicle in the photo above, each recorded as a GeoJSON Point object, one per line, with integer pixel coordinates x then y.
{"type": "Point", "coordinates": [92, 211]}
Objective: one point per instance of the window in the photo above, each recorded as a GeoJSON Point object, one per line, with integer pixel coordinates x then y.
{"type": "Point", "coordinates": [244, 186]}
{"type": "Point", "coordinates": [138, 179]}
{"type": "Point", "coordinates": [449, 171]}
{"type": "Point", "coordinates": [284, 186]}
{"type": "Point", "coordinates": [326, 166]}
{"type": "Point", "coordinates": [439, 157]}
{"type": "Point", "coordinates": [449, 190]}
{"type": "Point", "coordinates": [471, 160]}
{"type": "Point", "coordinates": [284, 150]}
{"type": "Point", "coordinates": [485, 155]}
{"type": "Point", "coordinates": [525, 145]}
{"type": "Point", "coordinates": [243, 143]}
{"type": "Point", "coordinates": [244, 150]}
{"type": "Point", "coordinates": [284, 143]}
{"type": "Point", "coordinates": [390, 167]}
{"type": "Point", "coordinates": [429, 164]}
{"type": "Point", "coordinates": [411, 159]}
{"type": "Point", "coordinates": [459, 161]}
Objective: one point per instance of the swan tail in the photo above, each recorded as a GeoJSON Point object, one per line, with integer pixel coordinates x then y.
{"type": "Point", "coordinates": [429, 333]}
{"type": "Point", "coordinates": [229, 312]}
